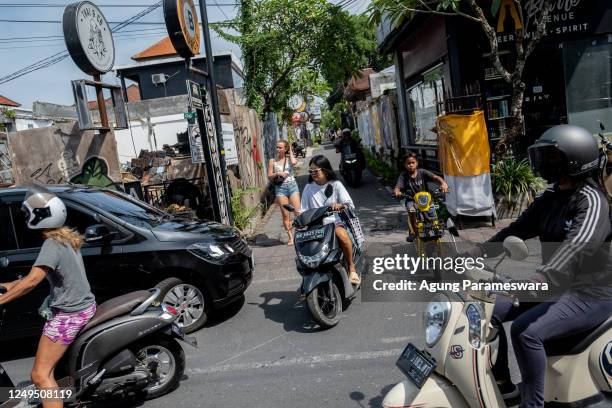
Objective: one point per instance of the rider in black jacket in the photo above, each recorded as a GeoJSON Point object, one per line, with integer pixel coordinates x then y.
{"type": "Point", "coordinates": [572, 221]}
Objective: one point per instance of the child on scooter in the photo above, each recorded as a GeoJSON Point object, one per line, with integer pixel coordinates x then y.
{"type": "Point", "coordinates": [411, 181]}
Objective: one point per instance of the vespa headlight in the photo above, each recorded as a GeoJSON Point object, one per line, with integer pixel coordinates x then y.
{"type": "Point", "coordinates": [435, 318]}
{"type": "Point", "coordinates": [476, 332]}
{"type": "Point", "coordinates": [314, 260]}
{"type": "Point", "coordinates": [208, 251]}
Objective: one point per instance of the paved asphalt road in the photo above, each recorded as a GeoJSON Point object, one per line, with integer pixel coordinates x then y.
{"type": "Point", "coordinates": [268, 352]}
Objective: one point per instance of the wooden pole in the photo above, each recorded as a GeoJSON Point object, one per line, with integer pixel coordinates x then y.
{"type": "Point", "coordinates": [101, 103]}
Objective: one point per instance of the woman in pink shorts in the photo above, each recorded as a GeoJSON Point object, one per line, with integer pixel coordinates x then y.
{"type": "Point", "coordinates": [71, 304]}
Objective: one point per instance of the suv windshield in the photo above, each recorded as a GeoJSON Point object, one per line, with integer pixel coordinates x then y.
{"type": "Point", "coordinates": [132, 211]}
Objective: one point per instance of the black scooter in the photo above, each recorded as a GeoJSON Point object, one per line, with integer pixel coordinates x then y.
{"type": "Point", "coordinates": [325, 285]}
{"type": "Point", "coordinates": [128, 349]}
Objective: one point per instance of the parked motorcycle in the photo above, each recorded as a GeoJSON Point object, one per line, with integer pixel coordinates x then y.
{"type": "Point", "coordinates": [298, 149]}
{"type": "Point", "coordinates": [128, 349]}
{"type": "Point", "coordinates": [454, 370]}
{"type": "Point", "coordinates": [325, 285]}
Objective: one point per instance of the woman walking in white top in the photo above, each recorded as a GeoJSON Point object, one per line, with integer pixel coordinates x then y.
{"type": "Point", "coordinates": [281, 172]}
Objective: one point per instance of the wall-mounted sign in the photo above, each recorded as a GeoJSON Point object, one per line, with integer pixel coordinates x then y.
{"type": "Point", "coordinates": [229, 144]}
{"type": "Point", "coordinates": [183, 27]}
{"type": "Point", "coordinates": [194, 90]}
{"type": "Point", "coordinates": [88, 38]}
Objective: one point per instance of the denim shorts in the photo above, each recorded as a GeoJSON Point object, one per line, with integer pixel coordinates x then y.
{"type": "Point", "coordinates": [287, 189]}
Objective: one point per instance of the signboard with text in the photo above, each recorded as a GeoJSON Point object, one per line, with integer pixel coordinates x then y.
{"type": "Point", "coordinates": [229, 144]}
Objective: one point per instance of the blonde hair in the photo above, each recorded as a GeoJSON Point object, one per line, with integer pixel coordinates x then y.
{"type": "Point", "coordinates": [66, 236]}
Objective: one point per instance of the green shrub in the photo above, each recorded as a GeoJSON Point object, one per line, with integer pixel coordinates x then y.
{"type": "Point", "coordinates": [511, 178]}
{"type": "Point", "coordinates": [388, 174]}
{"type": "Point", "coordinates": [240, 212]}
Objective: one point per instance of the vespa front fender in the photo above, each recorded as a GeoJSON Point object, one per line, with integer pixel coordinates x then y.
{"type": "Point", "coordinates": [436, 392]}
{"type": "Point", "coordinates": [313, 280]}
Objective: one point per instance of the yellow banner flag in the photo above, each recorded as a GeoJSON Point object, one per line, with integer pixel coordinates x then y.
{"type": "Point", "coordinates": [464, 144]}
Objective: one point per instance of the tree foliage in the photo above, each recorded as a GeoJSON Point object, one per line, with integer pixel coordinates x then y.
{"type": "Point", "coordinates": [297, 46]}
{"type": "Point", "coordinates": [398, 11]}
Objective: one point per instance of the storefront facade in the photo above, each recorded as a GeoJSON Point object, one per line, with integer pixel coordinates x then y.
{"type": "Point", "coordinates": [442, 64]}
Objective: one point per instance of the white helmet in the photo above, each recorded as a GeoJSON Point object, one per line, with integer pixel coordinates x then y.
{"type": "Point", "coordinates": [43, 208]}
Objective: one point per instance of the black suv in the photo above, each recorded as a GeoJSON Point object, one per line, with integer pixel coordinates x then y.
{"type": "Point", "coordinates": [199, 265]}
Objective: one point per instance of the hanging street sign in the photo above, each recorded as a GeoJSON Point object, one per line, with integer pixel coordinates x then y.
{"type": "Point", "coordinates": [88, 37]}
{"type": "Point", "coordinates": [189, 115]}
{"type": "Point", "coordinates": [183, 27]}
{"type": "Point", "coordinates": [194, 91]}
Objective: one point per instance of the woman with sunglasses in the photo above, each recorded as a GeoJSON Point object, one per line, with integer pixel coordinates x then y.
{"type": "Point", "coordinates": [282, 174]}
{"type": "Point", "coordinates": [322, 175]}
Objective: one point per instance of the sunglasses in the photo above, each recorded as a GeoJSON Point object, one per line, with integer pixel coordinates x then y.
{"type": "Point", "coordinates": [313, 171]}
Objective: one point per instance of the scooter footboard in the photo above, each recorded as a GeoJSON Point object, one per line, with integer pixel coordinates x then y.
{"type": "Point", "coordinates": [436, 392]}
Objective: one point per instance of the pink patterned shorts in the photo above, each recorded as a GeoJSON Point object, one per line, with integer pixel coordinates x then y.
{"type": "Point", "coordinates": [66, 326]}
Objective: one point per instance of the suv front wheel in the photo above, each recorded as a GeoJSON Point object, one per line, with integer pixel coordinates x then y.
{"type": "Point", "coordinates": [188, 299]}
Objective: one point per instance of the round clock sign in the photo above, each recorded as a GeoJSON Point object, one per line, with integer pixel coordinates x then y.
{"type": "Point", "coordinates": [183, 27]}
{"type": "Point", "coordinates": [88, 38]}
{"type": "Point", "coordinates": [295, 102]}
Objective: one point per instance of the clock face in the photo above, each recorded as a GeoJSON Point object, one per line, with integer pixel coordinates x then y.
{"type": "Point", "coordinates": [95, 37]}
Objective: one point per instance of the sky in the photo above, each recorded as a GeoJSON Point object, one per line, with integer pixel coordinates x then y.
{"type": "Point", "coordinates": [18, 49]}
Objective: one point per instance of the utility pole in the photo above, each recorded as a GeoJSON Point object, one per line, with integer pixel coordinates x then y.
{"type": "Point", "coordinates": [215, 104]}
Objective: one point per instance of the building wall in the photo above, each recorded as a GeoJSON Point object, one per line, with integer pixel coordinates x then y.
{"type": "Point", "coordinates": [377, 121]}
{"type": "Point", "coordinates": [68, 155]}
{"type": "Point", "coordinates": [149, 134]}
{"type": "Point", "coordinates": [176, 85]}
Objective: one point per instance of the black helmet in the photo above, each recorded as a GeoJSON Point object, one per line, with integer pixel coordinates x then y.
{"type": "Point", "coordinates": [564, 150]}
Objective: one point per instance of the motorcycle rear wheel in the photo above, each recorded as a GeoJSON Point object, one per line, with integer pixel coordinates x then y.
{"type": "Point", "coordinates": [164, 359]}
{"type": "Point", "coordinates": [325, 311]}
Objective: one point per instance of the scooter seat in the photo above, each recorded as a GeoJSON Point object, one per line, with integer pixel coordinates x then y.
{"type": "Point", "coordinates": [118, 306]}
{"type": "Point", "coordinates": [577, 343]}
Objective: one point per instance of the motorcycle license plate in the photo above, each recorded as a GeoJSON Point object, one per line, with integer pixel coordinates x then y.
{"type": "Point", "coordinates": [310, 235]}
{"type": "Point", "coordinates": [416, 365]}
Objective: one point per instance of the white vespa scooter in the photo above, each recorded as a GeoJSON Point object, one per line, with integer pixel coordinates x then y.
{"type": "Point", "coordinates": [454, 370]}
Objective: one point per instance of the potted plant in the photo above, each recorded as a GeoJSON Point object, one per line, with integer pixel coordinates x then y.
{"type": "Point", "coordinates": [514, 186]}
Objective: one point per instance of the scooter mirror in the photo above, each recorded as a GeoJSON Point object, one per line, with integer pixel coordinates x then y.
{"type": "Point", "coordinates": [289, 207]}
{"type": "Point", "coordinates": [329, 190]}
{"type": "Point", "coordinates": [516, 248]}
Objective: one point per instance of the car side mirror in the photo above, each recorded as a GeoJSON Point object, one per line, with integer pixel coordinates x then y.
{"type": "Point", "coordinates": [329, 190]}
{"type": "Point", "coordinates": [98, 233]}
{"type": "Point", "coordinates": [289, 207]}
{"type": "Point", "coordinates": [515, 248]}
{"type": "Point", "coordinates": [452, 228]}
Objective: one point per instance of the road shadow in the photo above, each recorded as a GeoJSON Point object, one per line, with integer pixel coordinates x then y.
{"type": "Point", "coordinates": [284, 307]}
{"type": "Point", "coordinates": [224, 314]}
{"type": "Point", "coordinates": [263, 240]}
{"type": "Point", "coordinates": [375, 402]}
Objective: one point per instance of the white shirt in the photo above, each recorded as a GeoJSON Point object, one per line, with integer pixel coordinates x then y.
{"type": "Point", "coordinates": [313, 196]}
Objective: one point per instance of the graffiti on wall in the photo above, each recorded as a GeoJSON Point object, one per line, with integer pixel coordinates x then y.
{"type": "Point", "coordinates": [69, 155]}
